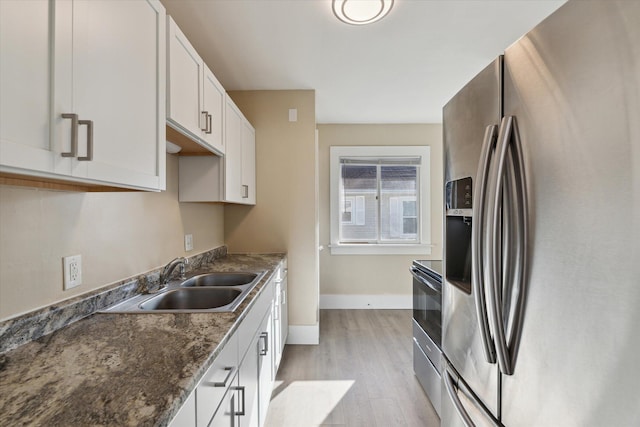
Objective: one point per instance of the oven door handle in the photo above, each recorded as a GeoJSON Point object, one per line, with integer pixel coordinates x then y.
{"type": "Point", "coordinates": [420, 278]}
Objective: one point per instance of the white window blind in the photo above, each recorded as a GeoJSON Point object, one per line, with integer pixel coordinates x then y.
{"type": "Point", "coordinates": [378, 197]}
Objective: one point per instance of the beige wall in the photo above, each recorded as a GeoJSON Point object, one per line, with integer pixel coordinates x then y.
{"type": "Point", "coordinates": [284, 218]}
{"type": "Point", "coordinates": [375, 274]}
{"type": "Point", "coordinates": [118, 234]}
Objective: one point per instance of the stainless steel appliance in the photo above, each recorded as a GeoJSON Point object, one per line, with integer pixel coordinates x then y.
{"type": "Point", "coordinates": [541, 293]}
{"type": "Point", "coordinates": [427, 327]}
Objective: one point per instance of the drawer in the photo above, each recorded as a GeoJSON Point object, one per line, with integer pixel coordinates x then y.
{"type": "Point", "coordinates": [216, 381]}
{"type": "Point", "coordinates": [428, 377]}
{"type": "Point", "coordinates": [430, 349]}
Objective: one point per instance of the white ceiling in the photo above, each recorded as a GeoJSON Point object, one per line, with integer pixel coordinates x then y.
{"type": "Point", "coordinates": [402, 69]}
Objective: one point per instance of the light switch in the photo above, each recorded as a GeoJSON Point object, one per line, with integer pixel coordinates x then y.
{"type": "Point", "coordinates": [293, 114]}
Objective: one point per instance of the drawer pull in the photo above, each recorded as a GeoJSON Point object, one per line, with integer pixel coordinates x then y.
{"type": "Point", "coordinates": [230, 373]}
{"type": "Point", "coordinates": [89, 125]}
{"type": "Point", "coordinates": [74, 134]}
{"type": "Point", "coordinates": [241, 390]}
{"type": "Point", "coordinates": [265, 350]}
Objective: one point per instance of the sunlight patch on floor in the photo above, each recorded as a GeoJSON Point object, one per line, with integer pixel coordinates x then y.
{"type": "Point", "coordinates": [305, 403]}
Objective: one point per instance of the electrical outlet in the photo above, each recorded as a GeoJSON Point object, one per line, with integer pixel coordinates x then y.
{"type": "Point", "coordinates": [72, 269]}
{"type": "Point", "coordinates": [188, 242]}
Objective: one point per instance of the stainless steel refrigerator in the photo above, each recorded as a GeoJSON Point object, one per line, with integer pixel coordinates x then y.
{"type": "Point", "coordinates": [541, 296]}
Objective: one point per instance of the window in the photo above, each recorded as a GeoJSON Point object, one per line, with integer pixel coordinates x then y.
{"type": "Point", "coordinates": [380, 200]}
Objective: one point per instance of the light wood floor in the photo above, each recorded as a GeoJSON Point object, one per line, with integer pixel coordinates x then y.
{"type": "Point", "coordinates": [361, 374]}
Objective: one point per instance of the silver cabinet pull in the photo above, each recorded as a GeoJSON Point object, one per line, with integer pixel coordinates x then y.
{"type": "Point", "coordinates": [245, 191]}
{"type": "Point", "coordinates": [232, 410]}
{"type": "Point", "coordinates": [89, 125]}
{"type": "Point", "coordinates": [209, 126]}
{"type": "Point", "coordinates": [230, 373]}
{"type": "Point", "coordinates": [241, 390]}
{"type": "Point", "coordinates": [205, 114]}
{"type": "Point", "coordinates": [74, 134]}
{"type": "Point", "coordinates": [265, 350]}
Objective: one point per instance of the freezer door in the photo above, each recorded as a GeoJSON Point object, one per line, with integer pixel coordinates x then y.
{"type": "Point", "coordinates": [460, 407]}
{"type": "Point", "coordinates": [466, 119]}
{"type": "Point", "coordinates": [573, 84]}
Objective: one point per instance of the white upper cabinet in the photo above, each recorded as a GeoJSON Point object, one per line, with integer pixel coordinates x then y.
{"type": "Point", "coordinates": [248, 163]}
{"type": "Point", "coordinates": [83, 87]}
{"type": "Point", "coordinates": [231, 178]}
{"type": "Point", "coordinates": [240, 160]}
{"type": "Point", "coordinates": [213, 109]}
{"type": "Point", "coordinates": [233, 189]}
{"type": "Point", "coordinates": [24, 87]}
{"type": "Point", "coordinates": [195, 98]}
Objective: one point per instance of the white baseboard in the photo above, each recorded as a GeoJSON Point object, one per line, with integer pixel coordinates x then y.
{"type": "Point", "coordinates": [392, 302]}
{"type": "Point", "coordinates": [304, 334]}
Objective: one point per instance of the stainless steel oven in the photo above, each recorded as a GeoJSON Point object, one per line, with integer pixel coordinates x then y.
{"type": "Point", "coordinates": [427, 327]}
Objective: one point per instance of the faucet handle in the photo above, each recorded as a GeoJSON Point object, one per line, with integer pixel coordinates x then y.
{"type": "Point", "coordinates": [183, 268]}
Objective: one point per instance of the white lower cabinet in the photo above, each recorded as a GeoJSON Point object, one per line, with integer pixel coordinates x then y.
{"type": "Point", "coordinates": [187, 414]}
{"type": "Point", "coordinates": [216, 382]}
{"type": "Point", "coordinates": [236, 389]}
{"type": "Point", "coordinates": [227, 414]}
{"type": "Point", "coordinates": [280, 317]}
{"type": "Point", "coordinates": [266, 375]}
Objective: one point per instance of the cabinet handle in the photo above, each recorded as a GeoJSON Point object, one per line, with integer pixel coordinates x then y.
{"type": "Point", "coordinates": [265, 349]}
{"type": "Point", "coordinates": [231, 372]}
{"type": "Point", "coordinates": [241, 390]}
{"type": "Point", "coordinates": [74, 134]}
{"type": "Point", "coordinates": [205, 114]}
{"type": "Point", "coordinates": [209, 124]}
{"type": "Point", "coordinates": [283, 298]}
{"type": "Point", "coordinates": [89, 124]}
{"type": "Point", "coordinates": [232, 410]}
{"type": "Point", "coordinates": [245, 191]}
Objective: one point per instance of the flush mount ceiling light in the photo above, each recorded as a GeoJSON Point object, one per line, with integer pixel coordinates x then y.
{"type": "Point", "coordinates": [361, 12]}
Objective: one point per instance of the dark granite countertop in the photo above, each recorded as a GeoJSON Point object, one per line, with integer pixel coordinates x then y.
{"type": "Point", "coordinates": [120, 369]}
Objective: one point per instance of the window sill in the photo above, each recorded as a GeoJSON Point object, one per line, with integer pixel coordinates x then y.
{"type": "Point", "coordinates": [374, 249]}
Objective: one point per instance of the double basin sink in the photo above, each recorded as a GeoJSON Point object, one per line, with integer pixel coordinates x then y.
{"type": "Point", "coordinates": [210, 292]}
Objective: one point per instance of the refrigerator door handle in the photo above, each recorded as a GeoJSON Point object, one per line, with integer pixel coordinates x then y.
{"type": "Point", "coordinates": [521, 234]}
{"type": "Point", "coordinates": [477, 240]}
{"type": "Point", "coordinates": [508, 145]}
{"type": "Point", "coordinates": [449, 381]}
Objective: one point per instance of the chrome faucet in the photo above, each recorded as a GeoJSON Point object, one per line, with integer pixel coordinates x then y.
{"type": "Point", "coordinates": [182, 262]}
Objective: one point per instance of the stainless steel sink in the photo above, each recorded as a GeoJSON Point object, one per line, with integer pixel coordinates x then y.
{"type": "Point", "coordinates": [220, 279]}
{"type": "Point", "coordinates": [207, 292]}
{"type": "Point", "coordinates": [192, 299]}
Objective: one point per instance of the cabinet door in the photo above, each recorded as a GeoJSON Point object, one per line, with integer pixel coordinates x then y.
{"type": "Point", "coordinates": [186, 416]}
{"type": "Point", "coordinates": [213, 105]}
{"type": "Point", "coordinates": [284, 312]}
{"type": "Point", "coordinates": [248, 163]}
{"type": "Point", "coordinates": [226, 413]}
{"type": "Point", "coordinates": [25, 91]}
{"type": "Point", "coordinates": [233, 153]}
{"type": "Point", "coordinates": [184, 103]}
{"type": "Point", "coordinates": [118, 61]}
{"type": "Point", "coordinates": [248, 380]}
{"type": "Point", "coordinates": [265, 368]}
{"type": "Point", "coordinates": [277, 328]}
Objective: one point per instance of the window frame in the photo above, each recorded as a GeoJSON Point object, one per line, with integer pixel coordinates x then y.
{"type": "Point", "coordinates": [423, 247]}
